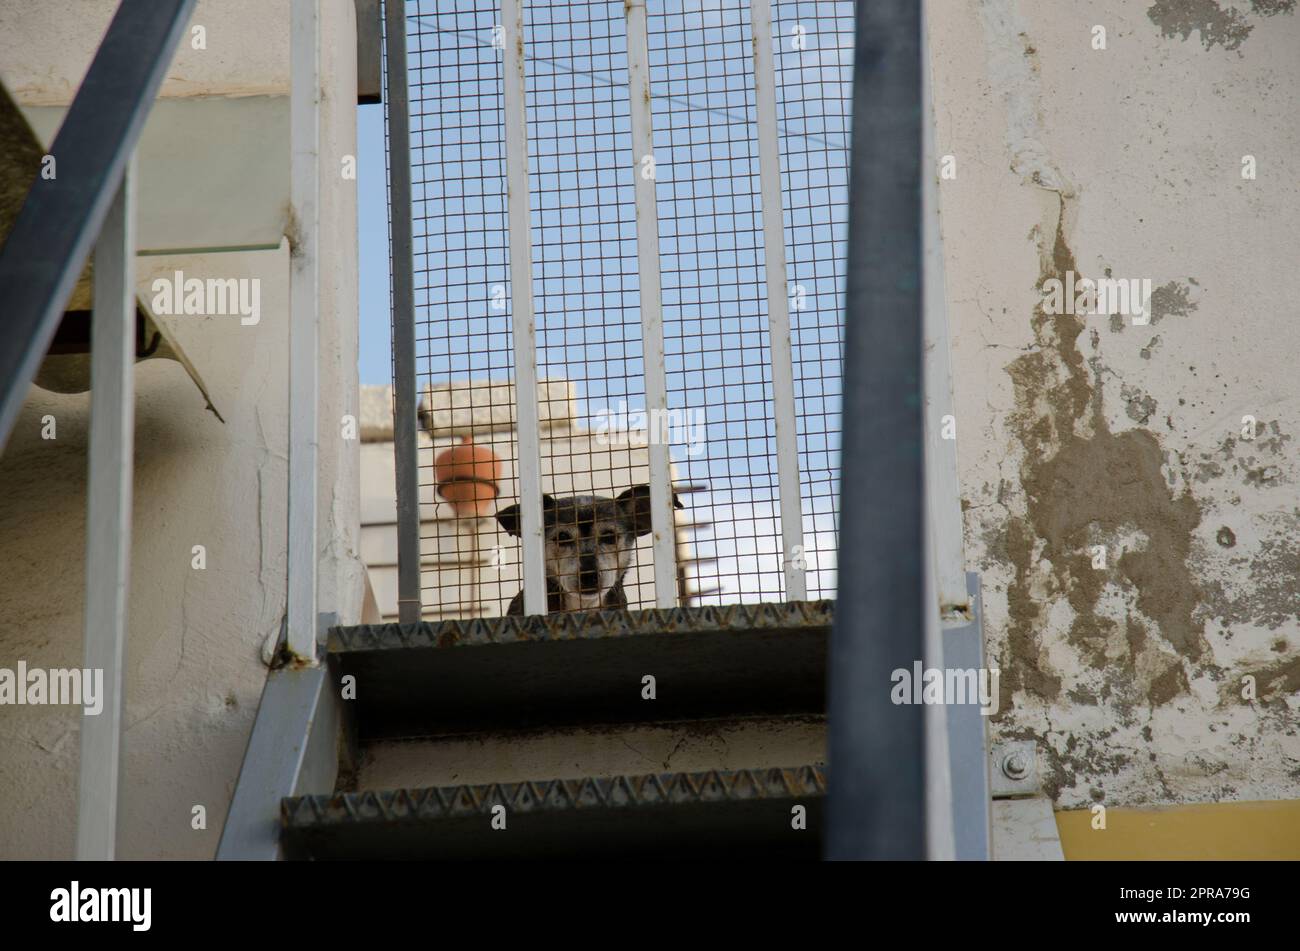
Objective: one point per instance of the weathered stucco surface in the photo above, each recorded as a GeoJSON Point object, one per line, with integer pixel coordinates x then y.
{"type": "Point", "coordinates": [1079, 431]}
{"type": "Point", "coordinates": [45, 51]}
{"type": "Point", "coordinates": [194, 670]}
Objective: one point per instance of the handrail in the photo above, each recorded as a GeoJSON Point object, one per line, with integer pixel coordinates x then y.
{"type": "Point", "coordinates": [62, 216]}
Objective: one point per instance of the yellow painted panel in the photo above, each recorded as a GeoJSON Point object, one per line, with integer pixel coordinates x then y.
{"type": "Point", "coordinates": [1220, 830]}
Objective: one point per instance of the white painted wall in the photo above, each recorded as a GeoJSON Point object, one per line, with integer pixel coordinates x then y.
{"type": "Point", "coordinates": [1074, 434]}
{"type": "Point", "coordinates": [194, 669]}
{"type": "Point", "coordinates": [46, 47]}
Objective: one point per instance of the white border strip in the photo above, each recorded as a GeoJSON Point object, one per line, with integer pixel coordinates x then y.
{"type": "Point", "coordinates": [778, 307]}
{"type": "Point", "coordinates": [942, 489]}
{"type": "Point", "coordinates": [652, 318]}
{"type": "Point", "coordinates": [940, 472]}
{"type": "Point", "coordinates": [108, 519]}
{"type": "Point", "coordinates": [304, 326]}
{"type": "Point", "coordinates": [521, 308]}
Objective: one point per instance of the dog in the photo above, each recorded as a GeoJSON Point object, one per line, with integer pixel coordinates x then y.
{"type": "Point", "coordinates": [588, 542]}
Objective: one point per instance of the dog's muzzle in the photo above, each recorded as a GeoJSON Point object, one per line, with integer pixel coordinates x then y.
{"type": "Point", "coordinates": [588, 575]}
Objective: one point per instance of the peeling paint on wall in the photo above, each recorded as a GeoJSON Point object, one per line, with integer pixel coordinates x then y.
{"type": "Point", "coordinates": [1085, 486]}
{"type": "Point", "coordinates": [1137, 565]}
{"type": "Point", "coordinates": [1218, 25]}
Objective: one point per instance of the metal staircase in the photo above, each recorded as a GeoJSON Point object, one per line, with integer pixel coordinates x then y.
{"type": "Point", "coordinates": [910, 780]}
{"type": "Point", "coordinates": [432, 681]}
{"type": "Point", "coordinates": [326, 706]}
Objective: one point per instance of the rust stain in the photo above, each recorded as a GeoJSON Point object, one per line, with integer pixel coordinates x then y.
{"type": "Point", "coordinates": [292, 230]}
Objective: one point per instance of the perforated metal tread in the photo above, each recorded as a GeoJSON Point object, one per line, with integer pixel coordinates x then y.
{"type": "Point", "coordinates": [588, 668]}
{"type": "Point", "coordinates": [718, 813]}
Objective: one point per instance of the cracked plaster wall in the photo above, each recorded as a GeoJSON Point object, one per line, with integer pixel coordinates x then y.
{"type": "Point", "coordinates": [1079, 431]}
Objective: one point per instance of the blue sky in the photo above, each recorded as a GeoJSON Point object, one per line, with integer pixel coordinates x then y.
{"type": "Point", "coordinates": [375, 361]}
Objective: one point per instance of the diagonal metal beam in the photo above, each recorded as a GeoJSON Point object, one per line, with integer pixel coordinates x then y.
{"type": "Point", "coordinates": [59, 222]}
{"type": "Point", "coordinates": [294, 750]}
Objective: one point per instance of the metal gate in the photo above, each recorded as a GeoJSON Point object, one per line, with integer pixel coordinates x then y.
{"type": "Point", "coordinates": [625, 267]}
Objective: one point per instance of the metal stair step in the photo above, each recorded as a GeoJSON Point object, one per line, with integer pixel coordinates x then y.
{"type": "Point", "coordinates": [716, 813]}
{"type": "Point", "coordinates": [512, 673]}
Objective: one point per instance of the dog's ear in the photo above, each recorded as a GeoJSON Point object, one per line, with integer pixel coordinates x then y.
{"type": "Point", "coordinates": [635, 505]}
{"type": "Point", "coordinates": [512, 521]}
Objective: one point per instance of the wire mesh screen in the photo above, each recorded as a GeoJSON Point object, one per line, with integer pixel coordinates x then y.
{"type": "Point", "coordinates": [814, 70]}
{"type": "Point", "coordinates": [586, 288]}
{"type": "Point", "coordinates": [594, 427]}
{"type": "Point", "coordinates": [716, 336]}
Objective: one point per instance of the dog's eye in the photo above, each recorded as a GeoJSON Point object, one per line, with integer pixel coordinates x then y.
{"type": "Point", "coordinates": [563, 538]}
{"type": "Point", "coordinates": [608, 537]}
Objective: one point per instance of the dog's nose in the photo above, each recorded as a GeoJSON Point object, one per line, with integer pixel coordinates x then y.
{"type": "Point", "coordinates": [589, 578]}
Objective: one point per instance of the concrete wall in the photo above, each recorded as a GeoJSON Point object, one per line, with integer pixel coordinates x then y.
{"type": "Point", "coordinates": [194, 671]}
{"type": "Point", "coordinates": [1080, 431]}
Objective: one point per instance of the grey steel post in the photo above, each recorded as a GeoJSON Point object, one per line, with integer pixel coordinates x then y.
{"type": "Point", "coordinates": [877, 794]}
{"type": "Point", "coordinates": [108, 519]}
{"type": "Point", "coordinates": [61, 218]}
{"type": "Point", "coordinates": [405, 430]}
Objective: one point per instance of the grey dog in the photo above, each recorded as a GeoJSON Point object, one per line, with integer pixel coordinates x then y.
{"type": "Point", "coordinates": [589, 543]}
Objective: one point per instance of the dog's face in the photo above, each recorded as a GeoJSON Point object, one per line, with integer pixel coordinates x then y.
{"type": "Point", "coordinates": [589, 540]}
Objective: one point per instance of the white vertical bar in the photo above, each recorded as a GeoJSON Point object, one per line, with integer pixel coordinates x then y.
{"type": "Point", "coordinates": [108, 520]}
{"type": "Point", "coordinates": [521, 308]}
{"type": "Point", "coordinates": [778, 306]}
{"type": "Point", "coordinates": [304, 295]}
{"type": "Point", "coordinates": [652, 317]}
{"type": "Point", "coordinates": [943, 493]}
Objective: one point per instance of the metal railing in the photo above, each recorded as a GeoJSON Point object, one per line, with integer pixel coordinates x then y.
{"type": "Point", "coordinates": [472, 154]}
{"type": "Point", "coordinates": [531, 123]}
{"type": "Point", "coordinates": [91, 202]}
